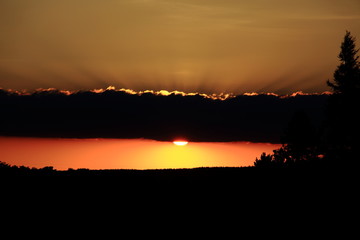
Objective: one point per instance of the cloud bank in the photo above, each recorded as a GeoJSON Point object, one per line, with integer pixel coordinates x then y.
{"type": "Point", "coordinates": [159, 115]}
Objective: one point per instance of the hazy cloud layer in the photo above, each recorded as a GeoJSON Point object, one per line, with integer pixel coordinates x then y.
{"type": "Point", "coordinates": [185, 45]}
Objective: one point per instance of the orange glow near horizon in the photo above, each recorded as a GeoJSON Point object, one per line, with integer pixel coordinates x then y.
{"type": "Point", "coordinates": [63, 154]}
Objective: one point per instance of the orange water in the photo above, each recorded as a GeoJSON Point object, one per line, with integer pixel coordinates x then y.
{"type": "Point", "coordinates": [126, 154]}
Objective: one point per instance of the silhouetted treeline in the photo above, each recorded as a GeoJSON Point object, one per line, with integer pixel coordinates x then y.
{"type": "Point", "coordinates": [300, 146]}
{"type": "Point", "coordinates": [336, 142]}
{"type": "Point", "coordinates": [128, 177]}
{"type": "Point", "coordinates": [7, 169]}
{"type": "Point", "coordinates": [116, 114]}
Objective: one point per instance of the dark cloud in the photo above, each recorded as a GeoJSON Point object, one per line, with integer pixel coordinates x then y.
{"type": "Point", "coordinates": [119, 114]}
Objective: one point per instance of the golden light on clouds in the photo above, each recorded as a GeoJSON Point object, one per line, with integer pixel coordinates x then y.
{"type": "Point", "coordinates": [186, 45]}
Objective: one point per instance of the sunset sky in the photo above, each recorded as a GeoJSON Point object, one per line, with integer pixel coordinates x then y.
{"type": "Point", "coordinates": [208, 46]}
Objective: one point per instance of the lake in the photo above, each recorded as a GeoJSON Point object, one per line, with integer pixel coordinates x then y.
{"type": "Point", "coordinates": [63, 154]}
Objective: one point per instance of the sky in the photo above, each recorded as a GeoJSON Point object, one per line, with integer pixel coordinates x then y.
{"type": "Point", "coordinates": [207, 46]}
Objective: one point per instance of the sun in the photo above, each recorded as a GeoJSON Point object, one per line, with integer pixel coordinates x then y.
{"type": "Point", "coordinates": [180, 142]}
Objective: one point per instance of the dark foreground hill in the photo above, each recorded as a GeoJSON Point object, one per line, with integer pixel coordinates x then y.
{"type": "Point", "coordinates": [175, 191]}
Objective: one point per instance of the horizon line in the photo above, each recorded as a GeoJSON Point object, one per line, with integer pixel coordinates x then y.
{"type": "Point", "coordinates": [163, 92]}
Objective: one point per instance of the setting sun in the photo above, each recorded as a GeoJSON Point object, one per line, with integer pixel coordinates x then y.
{"type": "Point", "coordinates": [180, 143]}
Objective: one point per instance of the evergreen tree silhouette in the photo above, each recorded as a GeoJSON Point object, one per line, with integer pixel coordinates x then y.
{"type": "Point", "coordinates": [346, 76]}
{"type": "Point", "coordinates": [299, 145]}
{"type": "Point", "coordinates": [300, 138]}
{"type": "Point", "coordinates": [342, 129]}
